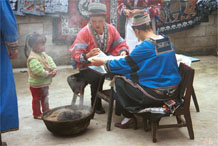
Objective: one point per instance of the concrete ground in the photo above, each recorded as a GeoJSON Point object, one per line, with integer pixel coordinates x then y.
{"type": "Point", "coordinates": [34, 132]}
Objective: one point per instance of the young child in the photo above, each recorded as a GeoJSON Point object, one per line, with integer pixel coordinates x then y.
{"type": "Point", "coordinates": [41, 69]}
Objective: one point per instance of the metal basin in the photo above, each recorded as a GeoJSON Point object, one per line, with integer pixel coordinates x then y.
{"type": "Point", "coordinates": [69, 120]}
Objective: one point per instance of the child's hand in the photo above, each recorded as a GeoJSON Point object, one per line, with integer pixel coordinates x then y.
{"type": "Point", "coordinates": [53, 73]}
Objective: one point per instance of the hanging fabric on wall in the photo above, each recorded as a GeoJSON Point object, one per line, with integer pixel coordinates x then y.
{"type": "Point", "coordinates": [34, 7]}
{"type": "Point", "coordinates": [16, 7]}
{"type": "Point", "coordinates": [177, 15]}
{"type": "Point", "coordinates": [54, 6]}
{"type": "Point", "coordinates": [153, 7]}
{"type": "Point", "coordinates": [66, 27]}
{"type": "Point", "coordinates": [14, 4]}
{"type": "Point", "coordinates": [205, 7]}
{"type": "Point", "coordinates": [39, 7]}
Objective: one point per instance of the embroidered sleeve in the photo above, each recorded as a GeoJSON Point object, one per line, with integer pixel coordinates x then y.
{"type": "Point", "coordinates": [123, 49]}
{"type": "Point", "coordinates": [83, 59]}
{"type": "Point", "coordinates": [12, 45]}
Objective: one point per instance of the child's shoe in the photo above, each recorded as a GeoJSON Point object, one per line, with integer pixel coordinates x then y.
{"type": "Point", "coordinates": [38, 117]}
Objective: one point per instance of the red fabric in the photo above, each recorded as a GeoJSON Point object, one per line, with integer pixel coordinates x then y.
{"type": "Point", "coordinates": [40, 96]}
{"type": "Point", "coordinates": [75, 20]}
{"type": "Point", "coordinates": [154, 10]}
{"type": "Point", "coordinates": [93, 14]}
{"type": "Point", "coordinates": [125, 3]}
{"type": "Point", "coordinates": [153, 2]}
{"type": "Point", "coordinates": [85, 37]}
{"type": "Point", "coordinates": [154, 6]}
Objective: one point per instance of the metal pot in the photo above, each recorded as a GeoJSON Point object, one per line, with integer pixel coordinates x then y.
{"type": "Point", "coordinates": [68, 127]}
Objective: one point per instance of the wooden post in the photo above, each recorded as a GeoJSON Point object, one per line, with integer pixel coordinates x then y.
{"type": "Point", "coordinates": [110, 111]}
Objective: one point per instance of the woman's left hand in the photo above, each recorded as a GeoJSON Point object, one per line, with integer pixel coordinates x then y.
{"type": "Point", "coordinates": [97, 62]}
{"type": "Point", "coordinates": [13, 54]}
{"type": "Point", "coordinates": [136, 11]}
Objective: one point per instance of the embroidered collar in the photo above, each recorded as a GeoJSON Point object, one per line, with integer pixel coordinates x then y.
{"type": "Point", "coordinates": [100, 45]}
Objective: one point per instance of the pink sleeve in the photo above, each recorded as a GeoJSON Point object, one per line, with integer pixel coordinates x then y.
{"type": "Point", "coordinates": [79, 46]}
{"type": "Point", "coordinates": [118, 43]}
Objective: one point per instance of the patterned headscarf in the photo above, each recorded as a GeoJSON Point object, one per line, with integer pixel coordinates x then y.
{"type": "Point", "coordinates": [97, 9]}
{"type": "Point", "coordinates": [140, 19]}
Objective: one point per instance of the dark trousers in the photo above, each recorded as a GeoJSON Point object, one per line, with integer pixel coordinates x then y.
{"type": "Point", "coordinates": [129, 98]}
{"type": "Point", "coordinates": [95, 80]}
{"type": "Point", "coordinates": [120, 110]}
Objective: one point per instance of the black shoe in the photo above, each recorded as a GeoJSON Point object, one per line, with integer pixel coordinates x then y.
{"type": "Point", "coordinates": [100, 110]}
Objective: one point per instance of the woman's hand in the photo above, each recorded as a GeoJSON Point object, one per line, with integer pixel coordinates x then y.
{"type": "Point", "coordinates": [93, 52]}
{"type": "Point", "coordinates": [13, 54]}
{"type": "Point", "coordinates": [136, 11]}
{"type": "Point", "coordinates": [97, 62]}
{"type": "Point", "coordinates": [127, 12]}
{"type": "Point", "coordinates": [123, 53]}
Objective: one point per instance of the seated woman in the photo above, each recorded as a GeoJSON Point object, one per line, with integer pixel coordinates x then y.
{"type": "Point", "coordinates": [149, 74]}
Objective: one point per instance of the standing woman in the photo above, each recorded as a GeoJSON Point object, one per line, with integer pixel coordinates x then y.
{"type": "Point", "coordinates": [8, 42]}
{"type": "Point", "coordinates": [128, 8]}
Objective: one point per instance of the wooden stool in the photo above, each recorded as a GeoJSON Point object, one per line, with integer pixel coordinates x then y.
{"type": "Point", "coordinates": [107, 95]}
{"type": "Point", "coordinates": [77, 85]}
